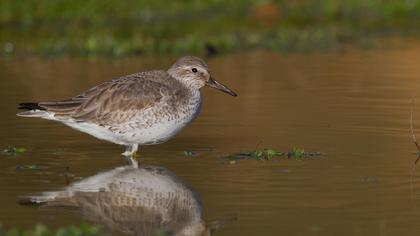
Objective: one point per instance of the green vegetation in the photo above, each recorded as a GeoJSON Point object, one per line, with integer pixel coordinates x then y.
{"type": "Point", "coordinates": [117, 28]}
{"type": "Point", "coordinates": [191, 154]}
{"type": "Point", "coordinates": [269, 154]}
{"type": "Point", "coordinates": [13, 151]}
{"type": "Point", "coordinates": [41, 230]}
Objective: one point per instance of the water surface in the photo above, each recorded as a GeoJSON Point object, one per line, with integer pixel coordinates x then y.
{"type": "Point", "coordinates": [352, 106]}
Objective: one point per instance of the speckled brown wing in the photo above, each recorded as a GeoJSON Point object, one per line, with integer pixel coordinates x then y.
{"type": "Point", "coordinates": [116, 101]}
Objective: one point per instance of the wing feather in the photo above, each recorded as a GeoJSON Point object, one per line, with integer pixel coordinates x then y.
{"type": "Point", "coordinates": [117, 100]}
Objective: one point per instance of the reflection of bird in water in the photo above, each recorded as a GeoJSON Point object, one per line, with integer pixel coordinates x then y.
{"type": "Point", "coordinates": [138, 201]}
{"type": "Point", "coordinates": [139, 109]}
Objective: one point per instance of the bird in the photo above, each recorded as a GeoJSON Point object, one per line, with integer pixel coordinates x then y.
{"type": "Point", "coordinates": [144, 108]}
{"type": "Point", "coordinates": [136, 201]}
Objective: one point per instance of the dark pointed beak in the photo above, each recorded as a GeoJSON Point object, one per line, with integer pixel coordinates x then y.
{"type": "Point", "coordinates": [214, 84]}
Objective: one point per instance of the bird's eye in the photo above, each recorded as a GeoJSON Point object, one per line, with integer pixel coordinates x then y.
{"type": "Point", "coordinates": [194, 70]}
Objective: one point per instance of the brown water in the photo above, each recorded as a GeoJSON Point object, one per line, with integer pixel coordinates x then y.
{"type": "Point", "coordinates": [354, 107]}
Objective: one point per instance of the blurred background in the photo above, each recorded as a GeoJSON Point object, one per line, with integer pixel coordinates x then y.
{"type": "Point", "coordinates": [79, 27]}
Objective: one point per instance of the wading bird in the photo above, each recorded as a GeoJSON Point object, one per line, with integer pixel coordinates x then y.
{"type": "Point", "coordinates": [140, 109]}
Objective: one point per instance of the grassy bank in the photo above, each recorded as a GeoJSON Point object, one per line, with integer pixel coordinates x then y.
{"type": "Point", "coordinates": [119, 28]}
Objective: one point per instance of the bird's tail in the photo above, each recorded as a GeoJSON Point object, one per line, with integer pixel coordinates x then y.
{"type": "Point", "coordinates": [36, 200]}
{"type": "Point", "coordinates": [30, 106]}
{"type": "Point", "coordinates": [58, 198]}
{"type": "Point", "coordinates": [33, 110]}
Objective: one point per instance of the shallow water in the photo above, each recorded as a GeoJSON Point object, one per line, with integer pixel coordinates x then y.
{"type": "Point", "coordinates": [353, 106]}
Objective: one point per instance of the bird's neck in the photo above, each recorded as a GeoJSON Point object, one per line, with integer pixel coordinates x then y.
{"type": "Point", "coordinates": [191, 84]}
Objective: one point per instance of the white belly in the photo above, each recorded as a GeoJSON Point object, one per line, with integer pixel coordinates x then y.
{"type": "Point", "coordinates": [136, 132]}
{"type": "Point", "coordinates": [155, 134]}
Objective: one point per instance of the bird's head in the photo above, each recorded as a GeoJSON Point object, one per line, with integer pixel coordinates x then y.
{"type": "Point", "coordinates": [193, 72]}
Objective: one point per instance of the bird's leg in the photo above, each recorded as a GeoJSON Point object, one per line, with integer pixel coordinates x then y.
{"type": "Point", "coordinates": [130, 154]}
{"type": "Point", "coordinates": [130, 150]}
{"type": "Point", "coordinates": [134, 149]}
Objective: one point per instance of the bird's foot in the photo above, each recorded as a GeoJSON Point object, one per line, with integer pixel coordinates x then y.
{"type": "Point", "coordinates": [135, 156]}
{"type": "Point", "coordinates": [133, 160]}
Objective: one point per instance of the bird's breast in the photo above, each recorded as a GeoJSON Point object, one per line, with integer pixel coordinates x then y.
{"type": "Point", "coordinates": [161, 122]}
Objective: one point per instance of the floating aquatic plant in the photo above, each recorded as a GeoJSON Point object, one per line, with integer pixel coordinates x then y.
{"type": "Point", "coordinates": [269, 154]}
{"type": "Point", "coordinates": [191, 154]}
{"type": "Point", "coordinates": [301, 153]}
{"type": "Point", "coordinates": [13, 151]}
